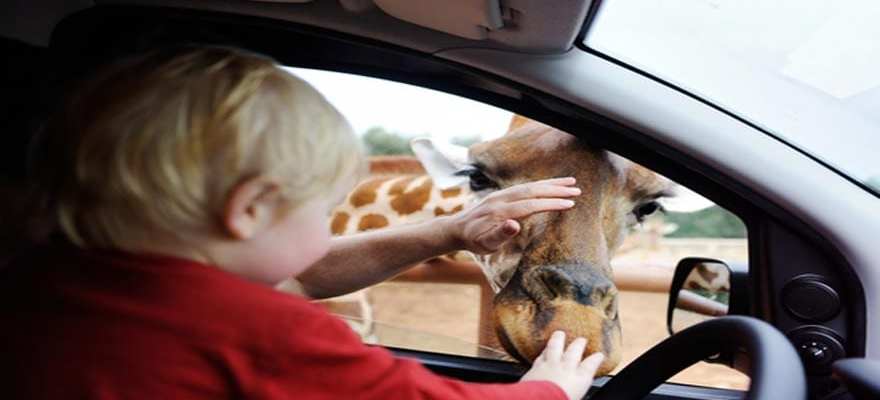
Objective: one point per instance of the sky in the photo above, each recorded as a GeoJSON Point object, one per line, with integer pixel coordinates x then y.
{"type": "Point", "coordinates": [405, 109]}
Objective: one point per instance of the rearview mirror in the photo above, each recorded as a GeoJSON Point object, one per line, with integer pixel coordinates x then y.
{"type": "Point", "coordinates": [704, 288]}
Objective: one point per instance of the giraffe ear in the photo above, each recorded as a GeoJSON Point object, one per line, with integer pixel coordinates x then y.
{"type": "Point", "coordinates": [685, 201]}
{"type": "Point", "coordinates": [442, 161]}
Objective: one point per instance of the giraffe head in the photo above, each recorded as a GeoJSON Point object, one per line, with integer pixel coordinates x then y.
{"type": "Point", "coordinates": [556, 274]}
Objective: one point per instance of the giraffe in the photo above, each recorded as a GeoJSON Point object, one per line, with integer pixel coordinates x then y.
{"type": "Point", "coordinates": [705, 290]}
{"type": "Point", "coordinates": [711, 277]}
{"type": "Point", "coordinates": [396, 192]}
{"type": "Point", "coordinates": [556, 273]}
{"type": "Point", "coordinates": [381, 201]}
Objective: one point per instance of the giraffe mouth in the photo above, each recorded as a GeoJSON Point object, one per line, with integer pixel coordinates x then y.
{"type": "Point", "coordinates": [563, 297]}
{"type": "Point", "coordinates": [523, 329]}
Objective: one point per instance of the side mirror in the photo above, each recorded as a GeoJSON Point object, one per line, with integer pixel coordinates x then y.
{"type": "Point", "coordinates": [704, 288]}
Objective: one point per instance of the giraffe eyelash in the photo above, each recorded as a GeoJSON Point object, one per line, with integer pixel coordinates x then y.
{"type": "Point", "coordinates": [643, 211]}
{"type": "Point", "coordinates": [466, 171]}
{"type": "Point", "coordinates": [477, 180]}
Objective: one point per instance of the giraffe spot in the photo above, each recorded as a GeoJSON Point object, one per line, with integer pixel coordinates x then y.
{"type": "Point", "coordinates": [451, 192]}
{"type": "Point", "coordinates": [372, 221]}
{"type": "Point", "coordinates": [438, 211]}
{"type": "Point", "coordinates": [413, 200]}
{"type": "Point", "coordinates": [339, 222]}
{"type": "Point", "coordinates": [400, 186]}
{"type": "Point", "coordinates": [365, 193]}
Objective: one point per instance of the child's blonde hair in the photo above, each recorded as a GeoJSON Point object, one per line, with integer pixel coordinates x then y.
{"type": "Point", "coordinates": [156, 144]}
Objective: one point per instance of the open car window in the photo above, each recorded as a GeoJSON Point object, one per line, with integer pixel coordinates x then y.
{"type": "Point", "coordinates": [448, 308]}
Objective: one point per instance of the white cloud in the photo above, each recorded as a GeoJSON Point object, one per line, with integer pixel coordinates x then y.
{"type": "Point", "coordinates": [406, 109]}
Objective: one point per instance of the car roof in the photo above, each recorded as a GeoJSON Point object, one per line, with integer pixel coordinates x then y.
{"type": "Point", "coordinates": [427, 26]}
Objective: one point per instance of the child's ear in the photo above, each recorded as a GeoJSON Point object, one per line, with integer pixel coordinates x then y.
{"type": "Point", "coordinates": [251, 206]}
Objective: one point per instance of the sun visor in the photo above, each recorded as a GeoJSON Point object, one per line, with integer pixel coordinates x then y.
{"type": "Point", "coordinates": [472, 19]}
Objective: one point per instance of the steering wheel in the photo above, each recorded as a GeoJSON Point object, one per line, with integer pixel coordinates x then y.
{"type": "Point", "coordinates": [773, 364]}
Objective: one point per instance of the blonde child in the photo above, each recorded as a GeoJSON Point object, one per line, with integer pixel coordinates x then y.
{"type": "Point", "coordinates": [187, 182]}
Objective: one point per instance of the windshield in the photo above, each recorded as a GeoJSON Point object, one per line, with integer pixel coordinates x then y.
{"type": "Point", "coordinates": [806, 70]}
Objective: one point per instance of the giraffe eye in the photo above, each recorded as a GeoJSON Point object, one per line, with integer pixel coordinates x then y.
{"type": "Point", "coordinates": [643, 211]}
{"type": "Point", "coordinates": [479, 181]}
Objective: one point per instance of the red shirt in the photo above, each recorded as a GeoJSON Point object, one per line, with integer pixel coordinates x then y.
{"type": "Point", "coordinates": [107, 325]}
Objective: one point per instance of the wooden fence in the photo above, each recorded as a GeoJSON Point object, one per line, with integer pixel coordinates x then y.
{"type": "Point", "coordinates": [635, 274]}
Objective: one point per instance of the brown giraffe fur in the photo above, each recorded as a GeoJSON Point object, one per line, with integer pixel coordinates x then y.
{"type": "Point", "coordinates": [396, 192]}
{"type": "Point", "coordinates": [394, 200]}
{"type": "Point", "coordinates": [556, 273]}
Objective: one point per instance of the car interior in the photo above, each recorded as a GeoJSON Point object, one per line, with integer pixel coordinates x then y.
{"type": "Point", "coordinates": [799, 313]}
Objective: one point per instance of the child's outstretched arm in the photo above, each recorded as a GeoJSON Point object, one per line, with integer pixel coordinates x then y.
{"type": "Point", "coordinates": [361, 260]}
{"type": "Point", "coordinates": [563, 366]}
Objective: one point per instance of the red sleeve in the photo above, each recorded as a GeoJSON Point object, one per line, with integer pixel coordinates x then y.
{"type": "Point", "coordinates": [325, 360]}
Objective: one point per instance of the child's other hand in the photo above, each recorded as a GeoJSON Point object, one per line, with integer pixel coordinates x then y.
{"type": "Point", "coordinates": [485, 227]}
{"type": "Point", "coordinates": [564, 366]}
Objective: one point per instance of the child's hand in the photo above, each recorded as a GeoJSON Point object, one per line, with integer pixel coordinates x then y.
{"type": "Point", "coordinates": [485, 227]}
{"type": "Point", "coordinates": [565, 368]}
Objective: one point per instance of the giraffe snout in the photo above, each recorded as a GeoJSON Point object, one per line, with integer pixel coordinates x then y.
{"type": "Point", "coordinates": [574, 298]}
{"type": "Point", "coordinates": [579, 283]}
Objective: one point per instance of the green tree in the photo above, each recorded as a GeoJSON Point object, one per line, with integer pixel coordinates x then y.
{"type": "Point", "coordinates": [712, 222]}
{"type": "Point", "coordinates": [380, 141]}
{"type": "Point", "coordinates": [466, 141]}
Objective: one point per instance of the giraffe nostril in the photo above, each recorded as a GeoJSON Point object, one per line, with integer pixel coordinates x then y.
{"type": "Point", "coordinates": [575, 282]}
{"type": "Point", "coordinates": [611, 308]}
{"type": "Point", "coordinates": [610, 301]}
{"type": "Point", "coordinates": [551, 284]}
